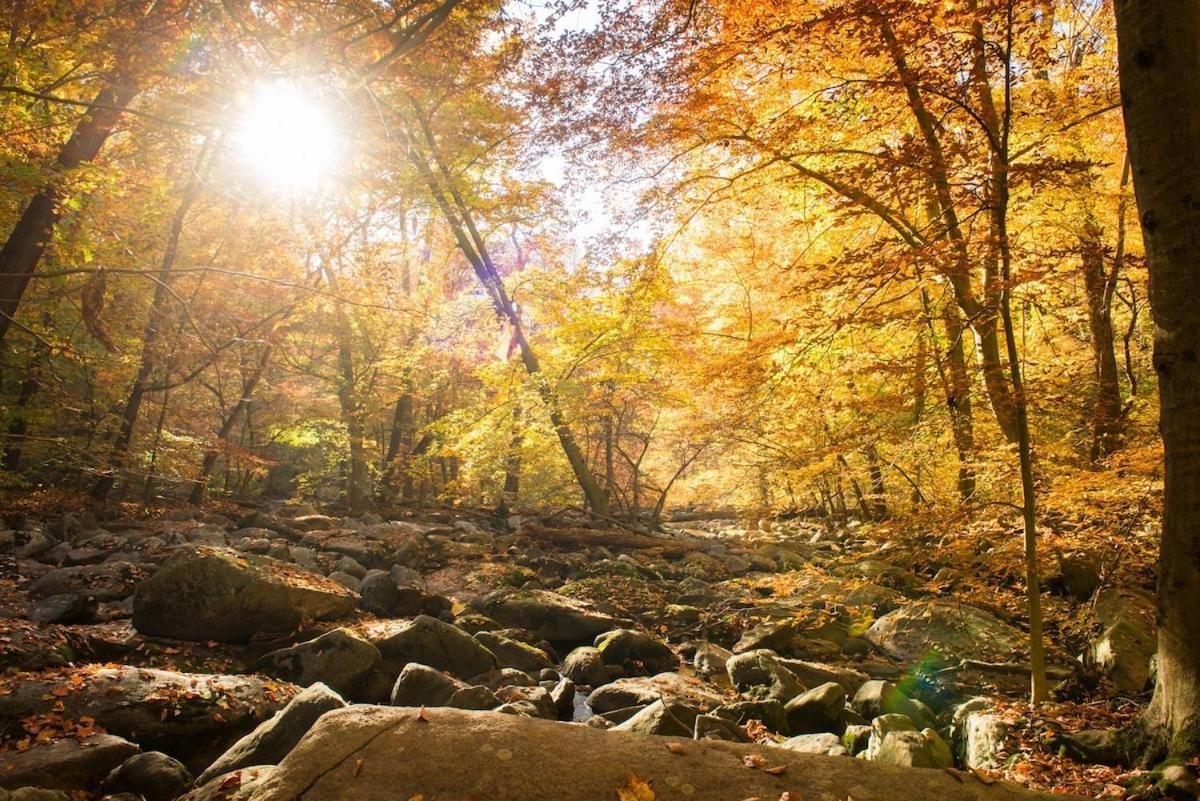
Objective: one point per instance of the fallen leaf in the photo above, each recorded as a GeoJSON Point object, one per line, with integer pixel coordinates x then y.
{"type": "Point", "coordinates": [421, 716]}
{"type": "Point", "coordinates": [778, 770]}
{"type": "Point", "coordinates": [983, 776]}
{"type": "Point", "coordinates": [635, 789]}
{"type": "Point", "coordinates": [358, 763]}
{"type": "Point", "coordinates": [754, 761]}
{"type": "Point", "coordinates": [675, 748]}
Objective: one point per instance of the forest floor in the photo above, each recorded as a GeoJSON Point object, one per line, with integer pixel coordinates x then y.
{"type": "Point", "coordinates": [934, 606]}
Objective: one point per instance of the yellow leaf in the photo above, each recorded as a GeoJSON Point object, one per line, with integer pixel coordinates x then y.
{"type": "Point", "coordinates": [636, 789]}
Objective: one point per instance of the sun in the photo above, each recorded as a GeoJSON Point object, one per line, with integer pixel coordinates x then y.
{"type": "Point", "coordinates": [287, 138]}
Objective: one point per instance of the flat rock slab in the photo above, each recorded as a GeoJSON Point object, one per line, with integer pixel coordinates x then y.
{"type": "Point", "coordinates": [385, 753]}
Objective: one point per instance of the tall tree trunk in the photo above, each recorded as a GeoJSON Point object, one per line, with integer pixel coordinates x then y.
{"type": "Point", "coordinates": [1099, 283]}
{"type": "Point", "coordinates": [459, 218]}
{"type": "Point", "coordinates": [956, 386]}
{"type": "Point", "coordinates": [1159, 51]}
{"type": "Point", "coordinates": [18, 426]}
{"type": "Point", "coordinates": [356, 479]}
{"type": "Point", "coordinates": [156, 319]}
{"type": "Point", "coordinates": [23, 249]}
{"type": "Point", "coordinates": [512, 464]}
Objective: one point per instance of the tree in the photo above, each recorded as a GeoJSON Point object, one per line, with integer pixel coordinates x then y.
{"type": "Point", "coordinates": [1159, 49]}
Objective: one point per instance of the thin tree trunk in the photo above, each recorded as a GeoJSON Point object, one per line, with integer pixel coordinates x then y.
{"type": "Point", "coordinates": [956, 386]}
{"type": "Point", "coordinates": [1107, 419]}
{"type": "Point", "coordinates": [1159, 53]}
{"type": "Point", "coordinates": [22, 251]}
{"type": "Point", "coordinates": [155, 321]}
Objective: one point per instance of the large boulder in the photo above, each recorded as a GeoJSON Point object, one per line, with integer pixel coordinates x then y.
{"type": "Point", "coordinates": [421, 685]}
{"type": "Point", "coordinates": [644, 690]}
{"type": "Point", "coordinates": [153, 776]}
{"type": "Point", "coordinates": [383, 596]}
{"type": "Point", "coordinates": [762, 672]}
{"type": "Point", "coordinates": [585, 665]}
{"type": "Point", "coordinates": [68, 764]}
{"type": "Point", "coordinates": [211, 593]}
{"type": "Point", "coordinates": [191, 716]}
{"type": "Point", "coordinates": [1127, 641]}
{"type": "Point", "coordinates": [339, 658]}
{"type": "Point", "coordinates": [636, 651]}
{"type": "Point", "coordinates": [512, 653]}
{"type": "Point", "coordinates": [387, 753]}
{"type": "Point", "coordinates": [821, 709]}
{"type": "Point", "coordinates": [665, 718]}
{"type": "Point", "coordinates": [273, 739]}
{"type": "Point", "coordinates": [554, 617]}
{"type": "Point", "coordinates": [429, 641]}
{"type": "Point", "coordinates": [107, 581]}
{"type": "Point", "coordinates": [943, 631]}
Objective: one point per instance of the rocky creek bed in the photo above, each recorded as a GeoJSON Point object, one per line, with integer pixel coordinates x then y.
{"type": "Point", "coordinates": [282, 653]}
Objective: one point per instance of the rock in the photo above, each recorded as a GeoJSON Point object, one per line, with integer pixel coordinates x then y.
{"type": "Point", "coordinates": [534, 701]}
{"type": "Point", "coordinates": [382, 596]}
{"type": "Point", "coordinates": [763, 668]}
{"type": "Point", "coordinates": [273, 739]}
{"type": "Point", "coordinates": [821, 709]}
{"type": "Point", "coordinates": [514, 654]}
{"type": "Point", "coordinates": [912, 749]}
{"type": "Point", "coordinates": [811, 674]}
{"type": "Point", "coordinates": [771, 636]}
{"type": "Point", "coordinates": [554, 617]}
{"type": "Point", "coordinates": [421, 685]}
{"type": "Point", "coordinates": [67, 764]}
{"type": "Point", "coordinates": [643, 691]}
{"type": "Point", "coordinates": [670, 719]}
{"type": "Point", "coordinates": [314, 522]}
{"type": "Point", "coordinates": [943, 632]}
{"type": "Point", "coordinates": [877, 697]}
{"type": "Point", "coordinates": [1099, 746]}
{"type": "Point", "coordinates": [823, 743]}
{"type": "Point", "coordinates": [107, 581]}
{"type": "Point", "coordinates": [585, 665]}
{"type": "Point", "coordinates": [431, 642]}
{"type": "Point", "coordinates": [879, 599]}
{"type": "Point", "coordinates": [712, 727]}
{"type": "Point", "coordinates": [339, 658]}
{"type": "Point", "coordinates": [346, 580]}
{"type": "Point", "coordinates": [882, 726]}
{"type": "Point", "coordinates": [856, 738]}
{"type": "Point", "coordinates": [563, 696]}
{"type": "Point", "coordinates": [236, 785]}
{"type": "Point", "coordinates": [153, 775]}
{"type": "Point", "coordinates": [218, 594]}
{"type": "Point", "coordinates": [768, 712]}
{"type": "Point", "coordinates": [1127, 641]}
{"type": "Point", "coordinates": [65, 608]}
{"type": "Point", "coordinates": [386, 754]}
{"type": "Point", "coordinates": [1080, 576]}
{"type": "Point", "coordinates": [629, 648]}
{"type": "Point", "coordinates": [34, 794]}
{"type": "Point", "coordinates": [473, 698]}
{"type": "Point", "coordinates": [984, 738]}
{"type": "Point", "coordinates": [193, 717]}
{"type": "Point", "coordinates": [710, 659]}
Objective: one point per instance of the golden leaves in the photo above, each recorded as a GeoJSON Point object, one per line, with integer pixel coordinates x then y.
{"type": "Point", "coordinates": [635, 789]}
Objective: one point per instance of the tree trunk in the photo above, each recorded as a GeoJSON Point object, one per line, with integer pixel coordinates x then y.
{"type": "Point", "coordinates": [1107, 420]}
{"type": "Point", "coordinates": [1159, 51]}
{"type": "Point", "coordinates": [155, 320]}
{"type": "Point", "coordinates": [23, 250]}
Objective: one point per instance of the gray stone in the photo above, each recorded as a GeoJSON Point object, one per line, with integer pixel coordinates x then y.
{"type": "Point", "coordinates": [942, 632]}
{"type": "Point", "coordinates": [1127, 641]}
{"type": "Point", "coordinates": [554, 617]}
{"type": "Point", "coordinates": [153, 775]}
{"type": "Point", "coordinates": [877, 697]}
{"type": "Point", "coordinates": [66, 764]}
{"type": "Point", "coordinates": [710, 659]}
{"type": "Point", "coordinates": [763, 668]}
{"type": "Point", "coordinates": [421, 685]}
{"type": "Point", "coordinates": [775, 636]}
{"type": "Point", "coordinates": [473, 698]}
{"type": "Point", "coordinates": [67, 607]}
{"type": "Point", "coordinates": [514, 654]}
{"type": "Point", "coordinates": [822, 743]}
{"type": "Point", "coordinates": [821, 709]}
{"type": "Point", "coordinates": [631, 648]}
{"type": "Point", "coordinates": [669, 719]}
{"type": "Point", "coordinates": [712, 727]}
{"type": "Point", "coordinates": [274, 738]}
{"type": "Point", "coordinates": [429, 641]}
{"type": "Point", "coordinates": [218, 594]}
{"type": "Point", "coordinates": [912, 749]}
{"type": "Point", "coordinates": [339, 658]}
{"type": "Point", "coordinates": [644, 690]}
{"type": "Point", "coordinates": [584, 665]}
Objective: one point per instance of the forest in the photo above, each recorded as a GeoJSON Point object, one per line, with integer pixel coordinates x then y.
{"type": "Point", "coordinates": [691, 400]}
